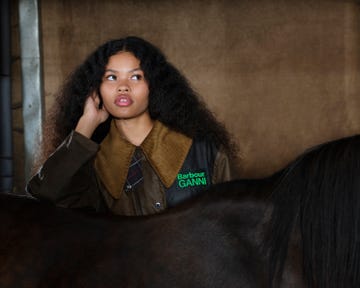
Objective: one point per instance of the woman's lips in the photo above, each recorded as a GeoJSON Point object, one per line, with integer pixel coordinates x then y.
{"type": "Point", "coordinates": [123, 101]}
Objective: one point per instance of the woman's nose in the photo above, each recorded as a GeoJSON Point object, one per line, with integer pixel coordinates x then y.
{"type": "Point", "coordinates": [123, 88]}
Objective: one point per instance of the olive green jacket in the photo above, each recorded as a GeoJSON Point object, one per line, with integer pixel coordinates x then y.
{"type": "Point", "coordinates": [84, 174]}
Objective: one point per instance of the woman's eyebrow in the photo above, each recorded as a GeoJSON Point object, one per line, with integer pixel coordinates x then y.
{"type": "Point", "coordinates": [130, 71]}
{"type": "Point", "coordinates": [135, 69]}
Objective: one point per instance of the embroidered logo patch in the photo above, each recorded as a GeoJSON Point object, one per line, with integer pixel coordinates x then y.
{"type": "Point", "coordinates": [191, 179]}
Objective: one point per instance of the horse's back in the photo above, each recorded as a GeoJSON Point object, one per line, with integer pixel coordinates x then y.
{"type": "Point", "coordinates": [42, 244]}
{"type": "Point", "coordinates": [213, 242]}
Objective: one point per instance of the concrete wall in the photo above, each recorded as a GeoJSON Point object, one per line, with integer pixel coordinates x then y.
{"type": "Point", "coordinates": [283, 75]}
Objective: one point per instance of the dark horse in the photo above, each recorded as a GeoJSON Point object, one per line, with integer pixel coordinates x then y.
{"type": "Point", "coordinates": [298, 228]}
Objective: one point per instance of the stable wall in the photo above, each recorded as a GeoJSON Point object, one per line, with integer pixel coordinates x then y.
{"type": "Point", "coordinates": [282, 75]}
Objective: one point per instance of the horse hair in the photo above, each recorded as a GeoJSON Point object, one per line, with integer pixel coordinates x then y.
{"type": "Point", "coordinates": [320, 192]}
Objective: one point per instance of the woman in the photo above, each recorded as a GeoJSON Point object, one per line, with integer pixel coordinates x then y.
{"type": "Point", "coordinates": [137, 138]}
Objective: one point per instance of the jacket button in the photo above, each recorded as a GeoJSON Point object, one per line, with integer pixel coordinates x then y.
{"type": "Point", "coordinates": [157, 205]}
{"type": "Point", "coordinates": [128, 189]}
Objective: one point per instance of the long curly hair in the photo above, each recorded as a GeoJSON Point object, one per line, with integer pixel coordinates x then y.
{"type": "Point", "coordinates": [171, 98]}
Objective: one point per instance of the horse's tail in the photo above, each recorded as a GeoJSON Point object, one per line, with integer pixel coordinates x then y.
{"type": "Point", "coordinates": [321, 193]}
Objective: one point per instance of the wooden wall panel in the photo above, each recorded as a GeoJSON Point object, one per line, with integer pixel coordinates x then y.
{"type": "Point", "coordinates": [16, 103]}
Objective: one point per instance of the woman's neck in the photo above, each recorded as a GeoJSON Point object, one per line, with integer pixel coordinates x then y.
{"type": "Point", "coordinates": [135, 130]}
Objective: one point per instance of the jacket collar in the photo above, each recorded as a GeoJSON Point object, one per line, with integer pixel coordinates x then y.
{"type": "Point", "coordinates": [163, 148]}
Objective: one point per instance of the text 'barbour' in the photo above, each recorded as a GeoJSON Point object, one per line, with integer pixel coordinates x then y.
{"type": "Point", "coordinates": [191, 179]}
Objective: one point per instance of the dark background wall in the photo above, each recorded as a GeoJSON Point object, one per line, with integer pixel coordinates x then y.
{"type": "Point", "coordinates": [18, 133]}
{"type": "Point", "coordinates": [283, 75]}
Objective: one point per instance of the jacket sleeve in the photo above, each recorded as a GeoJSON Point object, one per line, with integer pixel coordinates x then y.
{"type": "Point", "coordinates": [67, 177]}
{"type": "Point", "coordinates": [225, 169]}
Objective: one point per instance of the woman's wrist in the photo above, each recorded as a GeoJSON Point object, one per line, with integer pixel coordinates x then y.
{"type": "Point", "coordinates": [85, 127]}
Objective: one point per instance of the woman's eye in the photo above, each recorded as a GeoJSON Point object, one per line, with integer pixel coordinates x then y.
{"type": "Point", "coordinates": [136, 77]}
{"type": "Point", "coordinates": [110, 77]}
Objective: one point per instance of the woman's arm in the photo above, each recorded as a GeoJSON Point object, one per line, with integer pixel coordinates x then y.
{"type": "Point", "coordinates": [67, 177]}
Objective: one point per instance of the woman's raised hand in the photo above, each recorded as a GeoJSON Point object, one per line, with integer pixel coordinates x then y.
{"type": "Point", "coordinates": [92, 116]}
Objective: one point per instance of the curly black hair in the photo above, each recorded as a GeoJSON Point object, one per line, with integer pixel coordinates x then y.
{"type": "Point", "coordinates": [171, 98]}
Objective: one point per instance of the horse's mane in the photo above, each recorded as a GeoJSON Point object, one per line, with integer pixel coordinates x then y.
{"type": "Point", "coordinates": [319, 197]}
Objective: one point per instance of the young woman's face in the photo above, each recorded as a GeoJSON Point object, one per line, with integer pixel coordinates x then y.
{"type": "Point", "coordinates": [124, 90]}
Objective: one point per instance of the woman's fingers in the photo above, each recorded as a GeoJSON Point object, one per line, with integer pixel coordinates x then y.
{"type": "Point", "coordinates": [96, 98]}
{"type": "Point", "coordinates": [94, 105]}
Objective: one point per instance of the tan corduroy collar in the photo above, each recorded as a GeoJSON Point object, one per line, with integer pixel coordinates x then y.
{"type": "Point", "coordinates": [164, 148]}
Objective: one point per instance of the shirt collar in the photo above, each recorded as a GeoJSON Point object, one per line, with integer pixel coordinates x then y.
{"type": "Point", "coordinates": [164, 149]}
